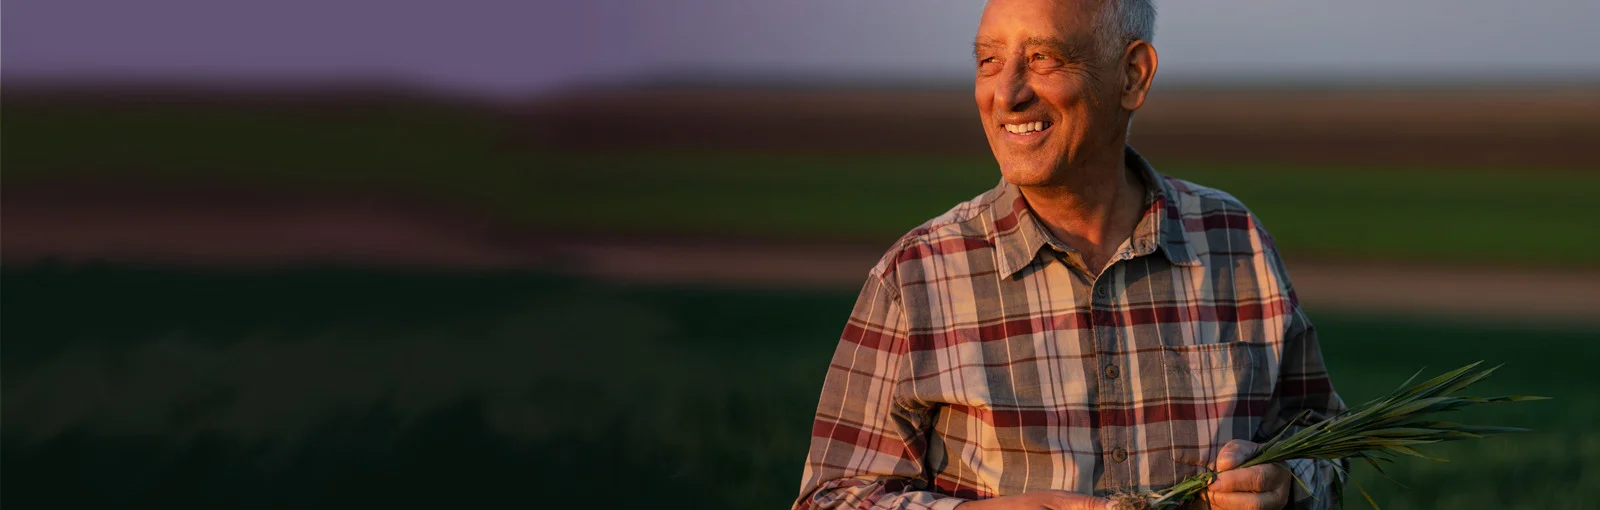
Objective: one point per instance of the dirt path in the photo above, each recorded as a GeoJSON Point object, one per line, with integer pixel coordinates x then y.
{"type": "Point", "coordinates": [248, 228]}
{"type": "Point", "coordinates": [1481, 291]}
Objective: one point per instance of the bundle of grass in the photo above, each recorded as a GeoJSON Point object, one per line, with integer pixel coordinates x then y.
{"type": "Point", "coordinates": [1374, 432]}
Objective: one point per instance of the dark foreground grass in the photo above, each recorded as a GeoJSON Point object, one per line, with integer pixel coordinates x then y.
{"type": "Point", "coordinates": [479, 158]}
{"type": "Point", "coordinates": [353, 388]}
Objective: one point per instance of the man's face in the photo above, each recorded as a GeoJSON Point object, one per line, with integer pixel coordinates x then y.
{"type": "Point", "coordinates": [1046, 94]}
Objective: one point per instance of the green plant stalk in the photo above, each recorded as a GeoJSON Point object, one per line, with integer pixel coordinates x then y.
{"type": "Point", "coordinates": [1374, 431]}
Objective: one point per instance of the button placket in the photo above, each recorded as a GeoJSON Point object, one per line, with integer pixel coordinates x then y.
{"type": "Point", "coordinates": [1113, 395]}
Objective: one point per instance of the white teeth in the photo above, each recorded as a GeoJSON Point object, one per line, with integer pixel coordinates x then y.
{"type": "Point", "coordinates": [1025, 128]}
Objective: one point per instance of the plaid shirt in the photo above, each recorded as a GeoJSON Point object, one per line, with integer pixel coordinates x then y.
{"type": "Point", "coordinates": [983, 360]}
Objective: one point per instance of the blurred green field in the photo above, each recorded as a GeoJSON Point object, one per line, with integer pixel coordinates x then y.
{"type": "Point", "coordinates": [1524, 216]}
{"type": "Point", "coordinates": [340, 387]}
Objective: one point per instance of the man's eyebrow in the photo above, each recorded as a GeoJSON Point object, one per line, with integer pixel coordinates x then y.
{"type": "Point", "coordinates": [1068, 51]}
{"type": "Point", "coordinates": [982, 43]}
{"type": "Point", "coordinates": [1052, 42]}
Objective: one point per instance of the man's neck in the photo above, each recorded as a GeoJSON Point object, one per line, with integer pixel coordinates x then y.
{"type": "Point", "coordinates": [1094, 211]}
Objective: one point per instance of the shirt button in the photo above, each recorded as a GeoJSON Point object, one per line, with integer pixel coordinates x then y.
{"type": "Point", "coordinates": [1100, 292]}
{"type": "Point", "coordinates": [1112, 372]}
{"type": "Point", "coordinates": [1119, 455]}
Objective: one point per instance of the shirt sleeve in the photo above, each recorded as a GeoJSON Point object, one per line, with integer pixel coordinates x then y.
{"type": "Point", "coordinates": [1303, 386]}
{"type": "Point", "coordinates": [868, 442]}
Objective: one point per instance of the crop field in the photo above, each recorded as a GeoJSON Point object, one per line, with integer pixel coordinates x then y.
{"type": "Point", "coordinates": [333, 387]}
{"type": "Point", "coordinates": [177, 382]}
{"type": "Point", "coordinates": [1455, 213]}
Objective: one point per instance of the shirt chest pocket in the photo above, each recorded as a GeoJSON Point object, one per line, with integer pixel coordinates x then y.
{"type": "Point", "coordinates": [1219, 380]}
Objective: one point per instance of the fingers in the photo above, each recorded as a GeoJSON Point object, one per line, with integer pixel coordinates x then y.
{"type": "Point", "coordinates": [1265, 486]}
{"type": "Point", "coordinates": [1263, 478]}
{"type": "Point", "coordinates": [1234, 453]}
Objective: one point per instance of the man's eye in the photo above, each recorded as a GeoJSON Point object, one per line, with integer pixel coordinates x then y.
{"type": "Point", "coordinates": [1039, 57]}
{"type": "Point", "coordinates": [989, 60]}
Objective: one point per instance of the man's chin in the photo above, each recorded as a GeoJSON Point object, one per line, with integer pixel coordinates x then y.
{"type": "Point", "coordinates": [1027, 175]}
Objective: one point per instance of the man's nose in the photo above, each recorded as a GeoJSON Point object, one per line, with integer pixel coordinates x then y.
{"type": "Point", "coordinates": [1014, 92]}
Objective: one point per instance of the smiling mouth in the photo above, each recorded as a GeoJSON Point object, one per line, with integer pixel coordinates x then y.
{"type": "Point", "coordinates": [1027, 128]}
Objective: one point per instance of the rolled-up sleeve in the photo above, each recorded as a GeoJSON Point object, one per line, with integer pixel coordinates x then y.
{"type": "Point", "coordinates": [868, 441]}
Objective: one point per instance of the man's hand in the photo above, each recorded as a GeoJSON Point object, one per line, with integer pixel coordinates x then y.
{"type": "Point", "coordinates": [1263, 487]}
{"type": "Point", "coordinates": [1041, 500]}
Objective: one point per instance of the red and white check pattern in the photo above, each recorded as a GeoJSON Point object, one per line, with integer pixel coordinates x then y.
{"type": "Point", "coordinates": [983, 360]}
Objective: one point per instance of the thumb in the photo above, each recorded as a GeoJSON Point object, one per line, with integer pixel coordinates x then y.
{"type": "Point", "coordinates": [1234, 453]}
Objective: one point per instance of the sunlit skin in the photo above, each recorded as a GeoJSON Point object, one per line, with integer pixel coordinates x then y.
{"type": "Point", "coordinates": [1264, 487]}
{"type": "Point", "coordinates": [1040, 61]}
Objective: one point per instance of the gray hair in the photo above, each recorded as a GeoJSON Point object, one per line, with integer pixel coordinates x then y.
{"type": "Point", "coordinates": [1125, 21]}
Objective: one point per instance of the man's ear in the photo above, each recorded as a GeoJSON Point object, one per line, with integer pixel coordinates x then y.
{"type": "Point", "coordinates": [1139, 69]}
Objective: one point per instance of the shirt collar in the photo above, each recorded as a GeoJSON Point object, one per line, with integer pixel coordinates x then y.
{"type": "Point", "coordinates": [1019, 235]}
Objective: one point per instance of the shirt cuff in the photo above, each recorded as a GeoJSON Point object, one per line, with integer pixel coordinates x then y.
{"type": "Point", "coordinates": [1319, 476]}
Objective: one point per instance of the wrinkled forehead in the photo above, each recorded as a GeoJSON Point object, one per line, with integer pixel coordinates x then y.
{"type": "Point", "coordinates": [1009, 22]}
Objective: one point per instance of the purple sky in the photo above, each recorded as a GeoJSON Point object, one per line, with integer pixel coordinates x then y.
{"type": "Point", "coordinates": [515, 46]}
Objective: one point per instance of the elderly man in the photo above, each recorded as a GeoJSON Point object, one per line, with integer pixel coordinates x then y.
{"type": "Point", "coordinates": [1089, 326]}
